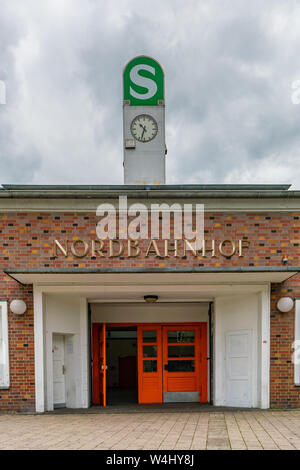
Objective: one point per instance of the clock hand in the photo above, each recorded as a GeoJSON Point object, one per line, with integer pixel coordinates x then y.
{"type": "Point", "coordinates": [144, 130]}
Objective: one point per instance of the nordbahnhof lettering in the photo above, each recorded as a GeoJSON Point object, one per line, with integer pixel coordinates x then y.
{"type": "Point", "coordinates": [142, 317]}
{"type": "Point", "coordinates": [162, 249]}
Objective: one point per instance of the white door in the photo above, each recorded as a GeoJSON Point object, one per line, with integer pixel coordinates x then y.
{"type": "Point", "coordinates": [239, 368]}
{"type": "Point", "coordinates": [59, 390]}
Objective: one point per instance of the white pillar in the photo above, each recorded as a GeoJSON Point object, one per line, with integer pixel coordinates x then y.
{"type": "Point", "coordinates": [265, 348]}
{"type": "Point", "coordinates": [39, 349]}
{"type": "Point", "coordinates": [84, 349]}
{"type": "Point", "coordinates": [218, 356]}
{"type": "Point", "coordinates": [297, 343]}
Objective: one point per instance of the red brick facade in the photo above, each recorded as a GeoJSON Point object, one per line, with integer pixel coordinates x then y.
{"type": "Point", "coordinates": [283, 392]}
{"type": "Point", "coordinates": [27, 242]}
{"type": "Point", "coordinates": [21, 394]}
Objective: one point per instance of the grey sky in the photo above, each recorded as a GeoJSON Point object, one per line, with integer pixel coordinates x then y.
{"type": "Point", "coordinates": [229, 69]}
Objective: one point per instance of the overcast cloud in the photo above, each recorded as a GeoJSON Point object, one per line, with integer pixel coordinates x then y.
{"type": "Point", "coordinates": [229, 69]}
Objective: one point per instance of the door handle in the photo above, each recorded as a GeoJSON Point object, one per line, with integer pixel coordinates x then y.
{"type": "Point", "coordinates": [63, 370]}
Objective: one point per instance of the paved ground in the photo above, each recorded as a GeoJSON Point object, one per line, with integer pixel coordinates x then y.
{"type": "Point", "coordinates": [152, 430]}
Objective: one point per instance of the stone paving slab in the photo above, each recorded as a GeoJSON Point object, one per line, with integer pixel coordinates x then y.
{"type": "Point", "coordinates": [214, 430]}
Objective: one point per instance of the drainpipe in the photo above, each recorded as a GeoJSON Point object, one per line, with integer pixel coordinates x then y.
{"type": "Point", "coordinates": [90, 353]}
{"type": "Point", "coordinates": [210, 358]}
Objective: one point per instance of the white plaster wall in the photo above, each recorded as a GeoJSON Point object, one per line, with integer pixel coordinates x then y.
{"type": "Point", "coordinates": [233, 313]}
{"type": "Point", "coordinates": [65, 314]}
{"type": "Point", "coordinates": [149, 313]}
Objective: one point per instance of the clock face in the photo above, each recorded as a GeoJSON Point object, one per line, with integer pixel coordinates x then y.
{"type": "Point", "coordinates": [144, 128]}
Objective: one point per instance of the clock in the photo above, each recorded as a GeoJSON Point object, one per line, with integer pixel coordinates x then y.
{"type": "Point", "coordinates": [144, 128]}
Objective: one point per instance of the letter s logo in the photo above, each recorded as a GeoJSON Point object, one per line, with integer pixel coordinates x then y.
{"type": "Point", "coordinates": [143, 82]}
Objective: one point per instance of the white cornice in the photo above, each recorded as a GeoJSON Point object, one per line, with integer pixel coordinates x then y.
{"type": "Point", "coordinates": [210, 205]}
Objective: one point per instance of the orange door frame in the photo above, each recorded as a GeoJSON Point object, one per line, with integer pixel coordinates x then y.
{"type": "Point", "coordinates": [187, 381]}
{"type": "Point", "coordinates": [99, 360]}
{"type": "Point", "coordinates": [99, 364]}
{"type": "Point", "coordinates": [150, 364]}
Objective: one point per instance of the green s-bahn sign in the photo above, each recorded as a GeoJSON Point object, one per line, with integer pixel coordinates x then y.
{"type": "Point", "coordinates": [143, 82]}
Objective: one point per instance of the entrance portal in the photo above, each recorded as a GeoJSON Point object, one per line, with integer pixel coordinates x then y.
{"type": "Point", "coordinates": [121, 361]}
{"type": "Point", "coordinates": [149, 363]}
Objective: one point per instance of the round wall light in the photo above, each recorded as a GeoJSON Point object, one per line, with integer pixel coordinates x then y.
{"type": "Point", "coordinates": [18, 307]}
{"type": "Point", "coordinates": [285, 304]}
{"type": "Point", "coordinates": [150, 299]}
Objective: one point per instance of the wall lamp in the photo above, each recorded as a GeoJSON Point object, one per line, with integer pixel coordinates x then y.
{"type": "Point", "coordinates": [285, 304]}
{"type": "Point", "coordinates": [18, 307]}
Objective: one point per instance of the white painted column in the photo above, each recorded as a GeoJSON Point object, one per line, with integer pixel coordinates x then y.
{"type": "Point", "coordinates": [218, 356]}
{"type": "Point", "coordinates": [84, 352]}
{"type": "Point", "coordinates": [265, 348]}
{"type": "Point", "coordinates": [39, 350]}
{"type": "Point", "coordinates": [296, 355]}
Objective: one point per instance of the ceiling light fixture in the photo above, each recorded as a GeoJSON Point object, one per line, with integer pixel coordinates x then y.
{"type": "Point", "coordinates": [150, 299]}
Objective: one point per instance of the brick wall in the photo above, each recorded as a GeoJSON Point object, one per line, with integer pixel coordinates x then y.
{"type": "Point", "coordinates": [21, 394]}
{"type": "Point", "coordinates": [282, 389]}
{"type": "Point", "coordinates": [27, 242]}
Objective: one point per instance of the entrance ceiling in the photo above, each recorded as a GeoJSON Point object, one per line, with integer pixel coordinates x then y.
{"type": "Point", "coordinates": [170, 287]}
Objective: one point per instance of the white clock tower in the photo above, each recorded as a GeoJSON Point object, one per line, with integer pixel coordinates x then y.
{"type": "Point", "coordinates": [144, 122]}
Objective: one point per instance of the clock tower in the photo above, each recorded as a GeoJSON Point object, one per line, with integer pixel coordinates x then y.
{"type": "Point", "coordinates": [144, 122]}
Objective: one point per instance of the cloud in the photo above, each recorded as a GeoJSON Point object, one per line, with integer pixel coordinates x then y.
{"type": "Point", "coordinates": [229, 70]}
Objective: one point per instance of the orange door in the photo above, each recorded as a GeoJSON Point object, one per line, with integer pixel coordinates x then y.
{"type": "Point", "coordinates": [184, 360]}
{"type": "Point", "coordinates": [99, 364]}
{"type": "Point", "coordinates": [150, 364]}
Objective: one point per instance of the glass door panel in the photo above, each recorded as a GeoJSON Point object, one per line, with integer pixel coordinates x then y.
{"type": "Point", "coordinates": [181, 336]}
